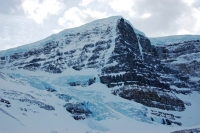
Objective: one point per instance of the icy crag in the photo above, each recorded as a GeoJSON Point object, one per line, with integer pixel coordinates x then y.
{"type": "Point", "coordinates": [102, 73]}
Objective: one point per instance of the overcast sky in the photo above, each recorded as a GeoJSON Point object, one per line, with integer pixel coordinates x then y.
{"type": "Point", "coordinates": [27, 21]}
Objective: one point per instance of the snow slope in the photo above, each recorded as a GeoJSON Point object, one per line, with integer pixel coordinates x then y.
{"type": "Point", "coordinates": [54, 85]}
{"type": "Point", "coordinates": [110, 114]}
{"type": "Point", "coordinates": [173, 39]}
{"type": "Point", "coordinates": [100, 23]}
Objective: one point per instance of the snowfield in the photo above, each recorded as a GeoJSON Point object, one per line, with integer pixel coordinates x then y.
{"type": "Point", "coordinates": [44, 111]}
{"type": "Point", "coordinates": [102, 77]}
{"type": "Point", "coordinates": [173, 39]}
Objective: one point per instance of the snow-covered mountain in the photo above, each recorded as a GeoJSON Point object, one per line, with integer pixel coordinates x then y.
{"type": "Point", "coordinates": [173, 39]}
{"type": "Point", "coordinates": [182, 53]}
{"type": "Point", "coordinates": [105, 76]}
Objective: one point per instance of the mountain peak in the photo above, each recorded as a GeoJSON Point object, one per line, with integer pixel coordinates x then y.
{"type": "Point", "coordinates": [102, 24]}
{"type": "Point", "coordinates": [105, 70]}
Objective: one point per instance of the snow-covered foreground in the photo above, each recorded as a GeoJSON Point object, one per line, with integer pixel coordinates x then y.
{"type": "Point", "coordinates": [26, 106]}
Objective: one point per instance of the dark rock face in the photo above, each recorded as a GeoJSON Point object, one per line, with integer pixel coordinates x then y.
{"type": "Point", "coordinates": [90, 81]}
{"type": "Point", "coordinates": [52, 69]}
{"type": "Point", "coordinates": [184, 48]}
{"type": "Point", "coordinates": [188, 51]}
{"type": "Point", "coordinates": [193, 130]}
{"type": "Point", "coordinates": [24, 97]}
{"type": "Point", "coordinates": [191, 68]}
{"type": "Point", "coordinates": [4, 101]}
{"type": "Point", "coordinates": [79, 67]}
{"type": "Point", "coordinates": [126, 49]}
{"type": "Point", "coordinates": [50, 89]}
{"type": "Point", "coordinates": [147, 72]}
{"type": "Point", "coordinates": [3, 58]}
{"type": "Point", "coordinates": [133, 78]}
{"type": "Point", "coordinates": [151, 98]}
{"type": "Point", "coordinates": [184, 58]}
{"type": "Point", "coordinates": [50, 57]}
{"type": "Point", "coordinates": [36, 60]}
{"type": "Point", "coordinates": [40, 104]}
{"type": "Point", "coordinates": [79, 111]}
{"type": "Point", "coordinates": [127, 59]}
{"type": "Point", "coordinates": [32, 66]}
{"type": "Point", "coordinates": [165, 115]}
{"type": "Point", "coordinates": [64, 97]}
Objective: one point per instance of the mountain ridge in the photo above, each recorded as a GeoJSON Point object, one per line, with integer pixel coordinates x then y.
{"type": "Point", "coordinates": [172, 39]}
{"type": "Point", "coordinates": [60, 34]}
{"type": "Point", "coordinates": [107, 70]}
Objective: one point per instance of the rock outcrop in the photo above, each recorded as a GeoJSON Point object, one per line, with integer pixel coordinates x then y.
{"type": "Point", "coordinates": [151, 97]}
{"type": "Point", "coordinates": [123, 56]}
{"type": "Point", "coordinates": [79, 111]}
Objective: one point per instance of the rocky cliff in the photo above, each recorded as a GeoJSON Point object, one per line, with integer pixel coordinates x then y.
{"type": "Point", "coordinates": [124, 58]}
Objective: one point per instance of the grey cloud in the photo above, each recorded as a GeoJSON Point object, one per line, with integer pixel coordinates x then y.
{"type": "Point", "coordinates": [101, 6]}
{"type": "Point", "coordinates": [168, 17]}
{"type": "Point", "coordinates": [7, 6]}
{"type": "Point", "coordinates": [197, 4]}
{"type": "Point", "coordinates": [18, 30]}
{"type": "Point", "coordinates": [165, 17]}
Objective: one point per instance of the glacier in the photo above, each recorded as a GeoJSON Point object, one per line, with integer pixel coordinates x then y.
{"type": "Point", "coordinates": [104, 76]}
